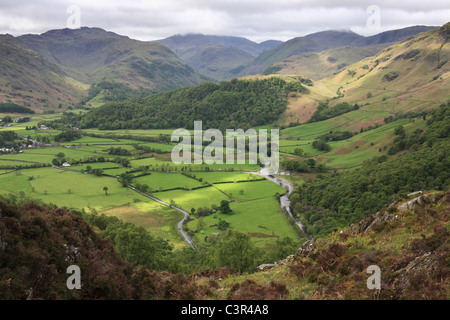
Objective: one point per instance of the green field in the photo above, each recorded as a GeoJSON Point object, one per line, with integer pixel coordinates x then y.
{"type": "Point", "coordinates": [205, 197]}
{"type": "Point", "coordinates": [255, 208]}
{"type": "Point", "coordinates": [261, 219]}
{"type": "Point", "coordinates": [159, 220]}
{"type": "Point", "coordinates": [244, 191]}
{"type": "Point", "coordinates": [71, 189]}
{"type": "Point", "coordinates": [218, 177]}
{"type": "Point", "coordinates": [166, 180]}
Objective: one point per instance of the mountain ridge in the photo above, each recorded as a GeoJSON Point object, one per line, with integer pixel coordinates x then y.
{"type": "Point", "coordinates": [92, 50]}
{"type": "Point", "coordinates": [325, 40]}
{"type": "Point", "coordinates": [217, 57]}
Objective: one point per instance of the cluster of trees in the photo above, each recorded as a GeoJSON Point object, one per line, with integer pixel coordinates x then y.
{"type": "Point", "coordinates": [23, 119]}
{"type": "Point", "coordinates": [146, 149]}
{"type": "Point", "coordinates": [300, 152]}
{"type": "Point", "coordinates": [145, 188]}
{"type": "Point", "coordinates": [122, 161]}
{"type": "Point", "coordinates": [6, 119]}
{"type": "Point", "coordinates": [224, 208]}
{"type": "Point", "coordinates": [321, 145]}
{"type": "Point", "coordinates": [408, 115]}
{"type": "Point", "coordinates": [302, 166]}
{"type": "Point", "coordinates": [119, 151]}
{"type": "Point", "coordinates": [68, 135]}
{"type": "Point", "coordinates": [325, 112]}
{"type": "Point", "coordinates": [347, 196]}
{"type": "Point", "coordinates": [203, 211]}
{"type": "Point", "coordinates": [306, 81]}
{"type": "Point", "coordinates": [438, 128]}
{"type": "Point", "coordinates": [231, 104]}
{"type": "Point", "coordinates": [9, 107]}
{"type": "Point", "coordinates": [8, 139]}
{"type": "Point", "coordinates": [115, 91]}
{"type": "Point", "coordinates": [336, 136]}
{"type": "Point", "coordinates": [126, 178]}
{"type": "Point", "coordinates": [132, 243]}
{"type": "Point", "coordinates": [95, 171]}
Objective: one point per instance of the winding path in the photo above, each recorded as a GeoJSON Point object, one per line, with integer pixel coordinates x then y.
{"type": "Point", "coordinates": [180, 223]}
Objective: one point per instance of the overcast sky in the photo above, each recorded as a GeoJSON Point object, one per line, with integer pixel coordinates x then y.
{"type": "Point", "coordinates": [257, 20]}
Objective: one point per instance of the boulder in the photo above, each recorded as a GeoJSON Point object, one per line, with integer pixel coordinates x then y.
{"type": "Point", "coordinates": [266, 266]}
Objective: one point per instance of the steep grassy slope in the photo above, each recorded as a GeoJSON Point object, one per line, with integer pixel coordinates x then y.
{"type": "Point", "coordinates": [312, 43]}
{"type": "Point", "coordinates": [321, 41]}
{"type": "Point", "coordinates": [28, 79]}
{"type": "Point", "coordinates": [92, 54]}
{"type": "Point", "coordinates": [406, 76]}
{"type": "Point", "coordinates": [411, 75]}
{"type": "Point", "coordinates": [410, 245]}
{"type": "Point", "coordinates": [318, 65]}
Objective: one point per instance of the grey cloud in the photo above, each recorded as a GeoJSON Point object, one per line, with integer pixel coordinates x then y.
{"type": "Point", "coordinates": [256, 19]}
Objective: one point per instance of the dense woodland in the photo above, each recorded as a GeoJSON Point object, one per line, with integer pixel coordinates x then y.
{"type": "Point", "coordinates": [344, 197]}
{"type": "Point", "coordinates": [114, 91]}
{"type": "Point", "coordinates": [325, 112]}
{"type": "Point", "coordinates": [8, 107]}
{"type": "Point", "coordinates": [233, 104]}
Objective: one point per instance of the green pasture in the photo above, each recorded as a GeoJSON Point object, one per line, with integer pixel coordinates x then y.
{"type": "Point", "coordinates": [262, 219]}
{"type": "Point", "coordinates": [159, 220]}
{"type": "Point", "coordinates": [70, 189]}
{"type": "Point", "coordinates": [244, 191]}
{"type": "Point", "coordinates": [167, 180]}
{"type": "Point", "coordinates": [218, 177]}
{"type": "Point", "coordinates": [204, 197]}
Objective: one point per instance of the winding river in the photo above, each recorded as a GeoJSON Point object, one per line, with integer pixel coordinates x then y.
{"type": "Point", "coordinates": [285, 203]}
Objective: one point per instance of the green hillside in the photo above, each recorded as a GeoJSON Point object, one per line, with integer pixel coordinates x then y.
{"type": "Point", "coordinates": [54, 70]}
{"type": "Point", "coordinates": [29, 80]}
{"type": "Point", "coordinates": [233, 104]}
{"type": "Point", "coordinates": [92, 55]}
{"type": "Point", "coordinates": [411, 75]}
{"type": "Point", "coordinates": [318, 65]}
{"type": "Point", "coordinates": [325, 40]}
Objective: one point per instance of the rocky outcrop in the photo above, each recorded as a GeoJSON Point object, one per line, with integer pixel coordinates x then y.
{"type": "Point", "coordinates": [392, 212]}
{"type": "Point", "coordinates": [305, 248]}
{"type": "Point", "coordinates": [268, 266]}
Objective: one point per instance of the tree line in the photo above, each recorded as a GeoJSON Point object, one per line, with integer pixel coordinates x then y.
{"type": "Point", "coordinates": [231, 104]}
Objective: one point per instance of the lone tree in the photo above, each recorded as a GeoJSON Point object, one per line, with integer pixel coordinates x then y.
{"type": "Point", "coordinates": [106, 190]}
{"type": "Point", "coordinates": [222, 225]}
{"type": "Point", "coordinates": [225, 207]}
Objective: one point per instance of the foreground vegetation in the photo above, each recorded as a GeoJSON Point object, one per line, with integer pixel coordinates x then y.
{"type": "Point", "coordinates": [41, 241]}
